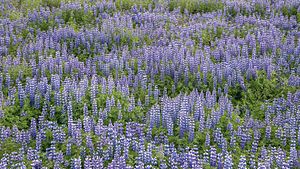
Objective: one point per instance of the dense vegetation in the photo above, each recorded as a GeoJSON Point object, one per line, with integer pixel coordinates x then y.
{"type": "Point", "coordinates": [150, 84]}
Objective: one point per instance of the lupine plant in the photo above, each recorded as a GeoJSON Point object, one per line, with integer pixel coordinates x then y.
{"type": "Point", "coordinates": [149, 84]}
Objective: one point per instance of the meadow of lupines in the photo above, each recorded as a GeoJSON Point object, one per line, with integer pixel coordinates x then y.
{"type": "Point", "coordinates": [150, 84]}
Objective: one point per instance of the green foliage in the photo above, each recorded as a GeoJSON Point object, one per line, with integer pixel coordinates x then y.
{"type": "Point", "coordinates": [77, 18]}
{"type": "Point", "coordinates": [20, 71]}
{"type": "Point", "coordinates": [209, 35]}
{"type": "Point", "coordinates": [128, 4]}
{"type": "Point", "coordinates": [206, 37]}
{"type": "Point", "coordinates": [196, 6]}
{"type": "Point", "coordinates": [12, 115]}
{"type": "Point", "coordinates": [231, 12]}
{"type": "Point", "coordinates": [260, 9]}
{"type": "Point", "coordinates": [14, 15]}
{"type": "Point", "coordinates": [35, 4]}
{"type": "Point", "coordinates": [258, 91]}
{"type": "Point", "coordinates": [131, 158]}
{"type": "Point", "coordinates": [43, 25]}
{"type": "Point", "coordinates": [289, 11]}
{"type": "Point", "coordinates": [51, 3]}
{"type": "Point", "coordinates": [8, 146]}
{"type": "Point", "coordinates": [27, 4]}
